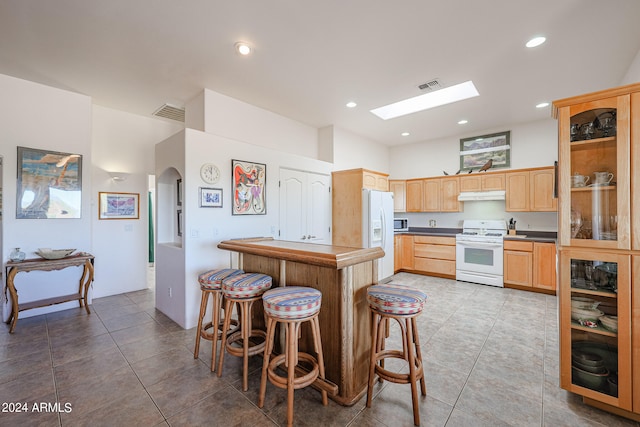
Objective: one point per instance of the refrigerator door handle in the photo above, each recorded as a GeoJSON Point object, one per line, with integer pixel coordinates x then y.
{"type": "Point", "coordinates": [384, 229]}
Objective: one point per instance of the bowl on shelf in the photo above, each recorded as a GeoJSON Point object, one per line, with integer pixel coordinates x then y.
{"type": "Point", "coordinates": [586, 358]}
{"type": "Point", "coordinates": [589, 379]}
{"type": "Point", "coordinates": [586, 316]}
{"type": "Point", "coordinates": [583, 302]}
{"type": "Point", "coordinates": [609, 353]}
{"type": "Point", "coordinates": [609, 322]}
{"type": "Point", "coordinates": [48, 253]}
{"type": "Point", "coordinates": [592, 369]}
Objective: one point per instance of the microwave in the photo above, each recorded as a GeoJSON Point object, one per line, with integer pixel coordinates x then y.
{"type": "Point", "coordinates": [400, 224]}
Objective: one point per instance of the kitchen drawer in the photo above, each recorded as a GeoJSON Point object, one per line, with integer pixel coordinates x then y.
{"type": "Point", "coordinates": [437, 266]}
{"type": "Point", "coordinates": [513, 245]}
{"type": "Point", "coordinates": [434, 251]}
{"type": "Point", "coordinates": [437, 240]}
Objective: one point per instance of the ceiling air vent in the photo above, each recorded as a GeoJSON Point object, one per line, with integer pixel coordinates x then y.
{"type": "Point", "coordinates": [431, 85]}
{"type": "Point", "coordinates": [170, 112]}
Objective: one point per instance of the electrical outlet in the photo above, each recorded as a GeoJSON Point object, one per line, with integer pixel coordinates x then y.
{"type": "Point", "coordinates": [170, 293]}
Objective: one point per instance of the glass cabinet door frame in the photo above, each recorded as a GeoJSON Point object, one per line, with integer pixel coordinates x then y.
{"type": "Point", "coordinates": [623, 299]}
{"type": "Point", "coordinates": [622, 105]}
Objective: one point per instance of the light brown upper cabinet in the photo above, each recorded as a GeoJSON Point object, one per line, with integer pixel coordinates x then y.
{"type": "Point", "coordinates": [399, 189]}
{"type": "Point", "coordinates": [489, 181]}
{"type": "Point", "coordinates": [531, 190]}
{"type": "Point", "coordinates": [433, 195]}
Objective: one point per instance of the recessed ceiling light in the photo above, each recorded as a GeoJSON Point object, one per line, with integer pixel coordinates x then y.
{"type": "Point", "coordinates": [536, 41]}
{"type": "Point", "coordinates": [405, 134]}
{"type": "Point", "coordinates": [351, 104]}
{"type": "Point", "coordinates": [542, 105]}
{"type": "Point", "coordinates": [428, 100]}
{"type": "Point", "coordinates": [243, 48]}
{"type": "Point", "coordinates": [463, 122]}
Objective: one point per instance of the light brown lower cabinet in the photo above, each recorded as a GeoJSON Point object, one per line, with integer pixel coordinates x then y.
{"type": "Point", "coordinates": [403, 252]}
{"type": "Point", "coordinates": [530, 264]}
{"type": "Point", "coordinates": [435, 255]}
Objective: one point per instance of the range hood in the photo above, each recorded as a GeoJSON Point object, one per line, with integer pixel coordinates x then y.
{"type": "Point", "coordinates": [469, 196]}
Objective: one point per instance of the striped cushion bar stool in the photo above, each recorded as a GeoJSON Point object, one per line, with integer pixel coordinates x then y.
{"type": "Point", "coordinates": [404, 304]}
{"type": "Point", "coordinates": [210, 283]}
{"type": "Point", "coordinates": [292, 306]}
{"type": "Point", "coordinates": [241, 291]}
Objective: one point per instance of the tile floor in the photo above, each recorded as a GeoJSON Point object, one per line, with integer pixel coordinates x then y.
{"type": "Point", "coordinates": [490, 354]}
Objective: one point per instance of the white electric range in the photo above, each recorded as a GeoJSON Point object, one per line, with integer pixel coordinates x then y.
{"type": "Point", "coordinates": [479, 252]}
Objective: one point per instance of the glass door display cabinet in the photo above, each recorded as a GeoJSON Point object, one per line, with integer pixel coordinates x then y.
{"type": "Point", "coordinates": [598, 166]}
{"type": "Point", "coordinates": [594, 173]}
{"type": "Point", "coordinates": [595, 332]}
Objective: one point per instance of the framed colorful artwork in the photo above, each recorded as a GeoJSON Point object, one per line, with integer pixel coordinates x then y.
{"type": "Point", "coordinates": [249, 188]}
{"type": "Point", "coordinates": [118, 205]}
{"type": "Point", "coordinates": [49, 184]}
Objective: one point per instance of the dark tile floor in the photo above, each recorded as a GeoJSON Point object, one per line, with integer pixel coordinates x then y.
{"type": "Point", "coordinates": [490, 354]}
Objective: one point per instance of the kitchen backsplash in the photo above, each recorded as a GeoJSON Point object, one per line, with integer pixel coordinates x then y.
{"type": "Point", "coordinates": [537, 221]}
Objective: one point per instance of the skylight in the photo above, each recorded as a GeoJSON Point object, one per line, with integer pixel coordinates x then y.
{"type": "Point", "coordinates": [437, 98]}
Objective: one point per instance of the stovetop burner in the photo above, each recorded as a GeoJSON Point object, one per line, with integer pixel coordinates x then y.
{"type": "Point", "coordinates": [483, 230]}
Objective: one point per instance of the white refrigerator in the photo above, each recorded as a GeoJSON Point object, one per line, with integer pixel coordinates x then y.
{"type": "Point", "coordinates": [377, 227]}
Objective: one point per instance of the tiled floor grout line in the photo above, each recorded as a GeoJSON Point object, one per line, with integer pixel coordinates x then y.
{"type": "Point", "coordinates": [53, 371]}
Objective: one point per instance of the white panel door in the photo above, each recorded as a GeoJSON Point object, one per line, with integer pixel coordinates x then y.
{"type": "Point", "coordinates": [319, 208]}
{"type": "Point", "coordinates": [305, 206]}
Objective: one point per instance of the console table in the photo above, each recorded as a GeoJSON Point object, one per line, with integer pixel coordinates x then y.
{"type": "Point", "coordinates": [40, 264]}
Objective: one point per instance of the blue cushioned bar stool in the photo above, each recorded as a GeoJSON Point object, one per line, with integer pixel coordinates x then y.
{"type": "Point", "coordinates": [404, 304]}
{"type": "Point", "coordinates": [242, 290]}
{"type": "Point", "coordinates": [211, 284]}
{"type": "Point", "coordinates": [292, 306]}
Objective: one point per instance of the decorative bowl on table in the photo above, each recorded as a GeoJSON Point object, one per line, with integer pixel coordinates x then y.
{"type": "Point", "coordinates": [48, 253]}
{"type": "Point", "coordinates": [586, 316]}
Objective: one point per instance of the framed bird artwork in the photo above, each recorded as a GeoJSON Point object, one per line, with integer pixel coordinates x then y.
{"type": "Point", "coordinates": [485, 152]}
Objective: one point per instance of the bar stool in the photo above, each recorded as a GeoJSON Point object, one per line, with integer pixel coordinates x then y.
{"type": "Point", "coordinates": [210, 283]}
{"type": "Point", "coordinates": [242, 290]}
{"type": "Point", "coordinates": [404, 304]}
{"type": "Point", "coordinates": [292, 306]}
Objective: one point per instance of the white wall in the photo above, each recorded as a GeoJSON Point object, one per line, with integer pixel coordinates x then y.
{"type": "Point", "coordinates": [352, 151]}
{"type": "Point", "coordinates": [633, 73]}
{"type": "Point", "coordinates": [37, 116]}
{"type": "Point", "coordinates": [231, 118]}
{"type": "Point", "coordinates": [123, 142]}
{"type": "Point", "coordinates": [533, 144]}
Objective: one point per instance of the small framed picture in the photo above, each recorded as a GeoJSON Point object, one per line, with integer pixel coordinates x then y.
{"type": "Point", "coordinates": [118, 205]}
{"type": "Point", "coordinates": [210, 197]}
{"type": "Point", "coordinates": [179, 219]}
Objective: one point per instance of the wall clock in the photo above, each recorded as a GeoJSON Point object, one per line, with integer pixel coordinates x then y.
{"type": "Point", "coordinates": [209, 173]}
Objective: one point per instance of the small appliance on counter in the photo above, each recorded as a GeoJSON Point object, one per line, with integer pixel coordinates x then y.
{"type": "Point", "coordinates": [400, 224]}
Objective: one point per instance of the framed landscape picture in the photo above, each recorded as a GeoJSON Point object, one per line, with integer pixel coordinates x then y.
{"type": "Point", "coordinates": [118, 205]}
{"type": "Point", "coordinates": [475, 152]}
{"type": "Point", "coordinates": [49, 184]}
{"type": "Point", "coordinates": [249, 181]}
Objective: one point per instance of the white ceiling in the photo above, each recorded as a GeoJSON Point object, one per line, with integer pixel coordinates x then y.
{"type": "Point", "coordinates": [312, 56]}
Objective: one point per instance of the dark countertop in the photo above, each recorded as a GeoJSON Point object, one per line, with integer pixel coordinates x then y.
{"type": "Point", "coordinates": [531, 235]}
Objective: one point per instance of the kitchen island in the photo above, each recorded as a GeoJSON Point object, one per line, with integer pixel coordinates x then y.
{"type": "Point", "coordinates": [343, 275]}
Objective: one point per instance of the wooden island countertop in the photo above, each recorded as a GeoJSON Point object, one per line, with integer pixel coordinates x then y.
{"type": "Point", "coordinates": [343, 275]}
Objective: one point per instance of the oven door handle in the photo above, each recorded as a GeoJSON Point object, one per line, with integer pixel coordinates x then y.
{"type": "Point", "coordinates": [480, 244]}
